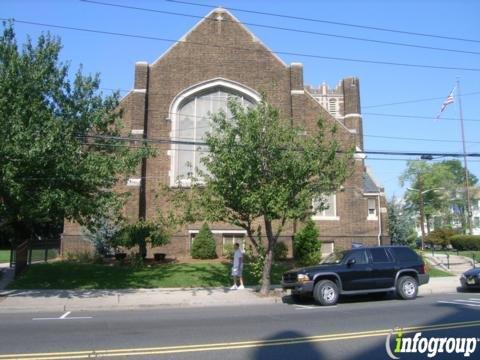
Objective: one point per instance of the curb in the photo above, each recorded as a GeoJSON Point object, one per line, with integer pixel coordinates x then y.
{"type": "Point", "coordinates": [115, 302]}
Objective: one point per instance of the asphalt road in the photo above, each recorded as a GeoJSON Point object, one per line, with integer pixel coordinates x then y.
{"type": "Point", "coordinates": [357, 328]}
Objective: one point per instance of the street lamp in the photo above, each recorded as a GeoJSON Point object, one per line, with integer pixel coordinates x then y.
{"type": "Point", "coordinates": [422, 212]}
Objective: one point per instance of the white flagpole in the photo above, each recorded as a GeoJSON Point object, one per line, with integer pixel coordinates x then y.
{"type": "Point", "coordinates": [467, 190]}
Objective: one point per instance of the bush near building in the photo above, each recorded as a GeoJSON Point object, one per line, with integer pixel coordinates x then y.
{"type": "Point", "coordinates": [440, 236]}
{"type": "Point", "coordinates": [204, 246]}
{"type": "Point", "coordinates": [139, 234]}
{"type": "Point", "coordinates": [307, 246]}
{"type": "Point", "coordinates": [465, 242]}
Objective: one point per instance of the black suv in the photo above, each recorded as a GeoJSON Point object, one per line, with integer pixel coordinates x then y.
{"type": "Point", "coordinates": [360, 271]}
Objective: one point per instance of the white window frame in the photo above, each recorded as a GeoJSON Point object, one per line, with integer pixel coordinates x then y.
{"type": "Point", "coordinates": [240, 240]}
{"type": "Point", "coordinates": [221, 232]}
{"type": "Point", "coordinates": [476, 222]}
{"type": "Point", "coordinates": [183, 96]}
{"type": "Point", "coordinates": [375, 215]}
{"type": "Point", "coordinates": [321, 215]}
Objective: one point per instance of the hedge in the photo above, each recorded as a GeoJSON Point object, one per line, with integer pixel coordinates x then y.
{"type": "Point", "coordinates": [440, 236]}
{"type": "Point", "coordinates": [465, 242]}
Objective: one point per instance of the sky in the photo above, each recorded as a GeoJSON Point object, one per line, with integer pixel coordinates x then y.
{"type": "Point", "coordinates": [397, 101]}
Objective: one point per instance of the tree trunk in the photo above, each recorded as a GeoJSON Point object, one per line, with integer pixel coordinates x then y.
{"type": "Point", "coordinates": [21, 232]}
{"type": "Point", "coordinates": [422, 213]}
{"type": "Point", "coordinates": [142, 247]}
{"type": "Point", "coordinates": [267, 264]}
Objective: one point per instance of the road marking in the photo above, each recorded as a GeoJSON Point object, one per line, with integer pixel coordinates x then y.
{"type": "Point", "coordinates": [303, 307]}
{"type": "Point", "coordinates": [231, 345]}
{"type": "Point", "coordinates": [65, 317]}
{"type": "Point", "coordinates": [457, 303]}
{"type": "Point", "coordinates": [469, 301]}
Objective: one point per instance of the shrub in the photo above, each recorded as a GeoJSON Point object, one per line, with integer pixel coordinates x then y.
{"type": "Point", "coordinates": [204, 246]}
{"type": "Point", "coordinates": [257, 261]}
{"type": "Point", "coordinates": [102, 237]}
{"type": "Point", "coordinates": [135, 260]}
{"type": "Point", "coordinates": [280, 251]}
{"type": "Point", "coordinates": [306, 245]}
{"type": "Point", "coordinates": [465, 242]}
{"type": "Point", "coordinates": [440, 236]}
{"type": "Point", "coordinates": [81, 257]}
{"type": "Point", "coordinates": [139, 234]}
{"type": "Point", "coordinates": [228, 251]}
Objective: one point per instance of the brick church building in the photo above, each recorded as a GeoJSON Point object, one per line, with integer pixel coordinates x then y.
{"type": "Point", "coordinates": [173, 96]}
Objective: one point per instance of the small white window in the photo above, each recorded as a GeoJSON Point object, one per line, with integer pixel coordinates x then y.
{"type": "Point", "coordinates": [229, 240]}
{"type": "Point", "coordinates": [372, 209]}
{"type": "Point", "coordinates": [325, 207]}
{"type": "Point", "coordinates": [192, 238]}
{"type": "Point", "coordinates": [327, 248]}
{"type": "Point", "coordinates": [475, 204]}
{"type": "Point", "coordinates": [332, 106]}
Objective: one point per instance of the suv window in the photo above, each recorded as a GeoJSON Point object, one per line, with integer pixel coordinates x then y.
{"type": "Point", "coordinates": [379, 255]}
{"type": "Point", "coordinates": [360, 256]}
{"type": "Point", "coordinates": [405, 254]}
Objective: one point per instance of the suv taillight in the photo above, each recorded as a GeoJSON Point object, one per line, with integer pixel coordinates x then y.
{"type": "Point", "coordinates": [422, 269]}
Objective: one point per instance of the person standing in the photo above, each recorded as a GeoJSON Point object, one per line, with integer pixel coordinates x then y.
{"type": "Point", "coordinates": [237, 268]}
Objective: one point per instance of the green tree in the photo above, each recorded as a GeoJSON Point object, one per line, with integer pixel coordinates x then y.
{"type": "Point", "coordinates": [401, 223]}
{"type": "Point", "coordinates": [443, 188]}
{"type": "Point", "coordinates": [204, 246]}
{"type": "Point", "coordinates": [140, 234]}
{"type": "Point", "coordinates": [57, 156]}
{"type": "Point", "coordinates": [457, 212]}
{"type": "Point", "coordinates": [307, 246]}
{"type": "Point", "coordinates": [427, 184]}
{"type": "Point", "coordinates": [262, 169]}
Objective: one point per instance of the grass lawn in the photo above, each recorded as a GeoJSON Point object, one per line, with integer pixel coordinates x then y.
{"type": "Point", "coordinates": [433, 272]}
{"type": "Point", "coordinates": [4, 256]}
{"type": "Point", "coordinates": [37, 255]}
{"type": "Point", "coordinates": [73, 275]}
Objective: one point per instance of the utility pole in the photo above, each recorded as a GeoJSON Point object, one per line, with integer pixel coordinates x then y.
{"type": "Point", "coordinates": [422, 211]}
{"type": "Point", "coordinates": [421, 203]}
{"type": "Point", "coordinates": [467, 190]}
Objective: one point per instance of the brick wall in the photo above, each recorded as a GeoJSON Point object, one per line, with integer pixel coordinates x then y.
{"type": "Point", "coordinates": [226, 50]}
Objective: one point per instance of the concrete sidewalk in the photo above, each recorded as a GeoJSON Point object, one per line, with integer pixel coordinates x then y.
{"type": "Point", "coordinates": [84, 300]}
{"type": "Point", "coordinates": [78, 300]}
{"type": "Point", "coordinates": [454, 264]}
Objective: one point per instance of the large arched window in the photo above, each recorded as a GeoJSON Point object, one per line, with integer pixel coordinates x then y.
{"type": "Point", "coordinates": [191, 117]}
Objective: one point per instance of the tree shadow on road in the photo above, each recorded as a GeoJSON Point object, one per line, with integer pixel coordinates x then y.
{"type": "Point", "coordinates": [288, 345]}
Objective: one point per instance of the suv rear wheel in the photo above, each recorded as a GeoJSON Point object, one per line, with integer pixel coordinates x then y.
{"type": "Point", "coordinates": [407, 288]}
{"type": "Point", "coordinates": [325, 292]}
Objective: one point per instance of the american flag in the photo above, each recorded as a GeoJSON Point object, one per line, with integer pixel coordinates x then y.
{"type": "Point", "coordinates": [449, 100]}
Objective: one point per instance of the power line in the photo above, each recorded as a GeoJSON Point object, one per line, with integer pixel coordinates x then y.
{"type": "Point", "coordinates": [416, 117]}
{"type": "Point", "coordinates": [376, 28]}
{"type": "Point", "coordinates": [416, 101]}
{"type": "Point", "coordinates": [405, 159]}
{"type": "Point", "coordinates": [365, 135]}
{"type": "Point", "coordinates": [314, 56]}
{"type": "Point", "coordinates": [420, 139]}
{"type": "Point", "coordinates": [285, 28]}
{"type": "Point", "coordinates": [184, 142]}
{"type": "Point", "coordinates": [114, 90]}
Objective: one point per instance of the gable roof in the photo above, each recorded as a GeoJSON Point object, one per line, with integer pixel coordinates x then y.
{"type": "Point", "coordinates": [208, 17]}
{"type": "Point", "coordinates": [369, 184]}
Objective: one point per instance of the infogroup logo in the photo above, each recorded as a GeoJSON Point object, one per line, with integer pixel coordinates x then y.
{"type": "Point", "coordinates": [429, 346]}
